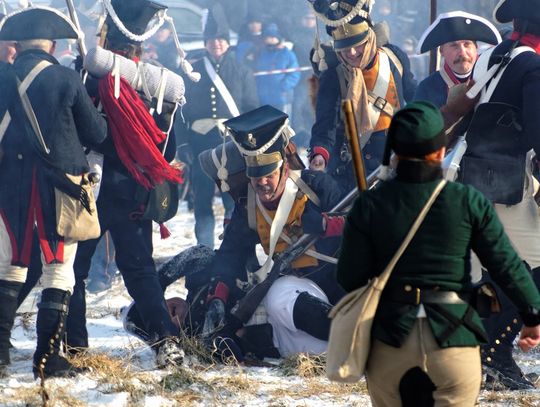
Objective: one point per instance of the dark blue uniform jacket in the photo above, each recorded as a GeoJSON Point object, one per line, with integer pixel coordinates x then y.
{"type": "Point", "coordinates": [432, 89]}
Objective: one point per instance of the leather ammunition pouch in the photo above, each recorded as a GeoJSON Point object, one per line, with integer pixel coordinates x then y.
{"type": "Point", "coordinates": [160, 203]}
{"type": "Point", "coordinates": [485, 300]}
{"type": "Point", "coordinates": [495, 159]}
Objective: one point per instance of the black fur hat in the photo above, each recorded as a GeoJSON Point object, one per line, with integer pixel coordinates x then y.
{"type": "Point", "coordinates": [216, 24]}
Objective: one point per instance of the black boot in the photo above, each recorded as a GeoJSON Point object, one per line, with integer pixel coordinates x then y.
{"type": "Point", "coordinates": [50, 327]}
{"type": "Point", "coordinates": [76, 339]}
{"type": "Point", "coordinates": [9, 292]}
{"type": "Point", "coordinates": [502, 372]}
{"type": "Point", "coordinates": [310, 314]}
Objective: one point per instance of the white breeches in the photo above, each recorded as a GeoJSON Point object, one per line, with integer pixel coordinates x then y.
{"type": "Point", "coordinates": [279, 304]}
{"type": "Point", "coordinates": [55, 275]}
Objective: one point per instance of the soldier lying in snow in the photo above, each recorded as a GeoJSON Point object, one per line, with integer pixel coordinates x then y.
{"type": "Point", "coordinates": [278, 197]}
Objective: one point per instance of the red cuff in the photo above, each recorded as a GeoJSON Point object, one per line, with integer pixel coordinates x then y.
{"type": "Point", "coordinates": [334, 225]}
{"type": "Point", "coordinates": [221, 291]}
{"type": "Point", "coordinates": [322, 151]}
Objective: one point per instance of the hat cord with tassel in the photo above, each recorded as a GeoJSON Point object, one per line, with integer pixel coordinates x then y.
{"type": "Point", "coordinates": [319, 54]}
{"type": "Point", "coordinates": [184, 63]}
{"type": "Point", "coordinates": [134, 37]}
{"type": "Point", "coordinates": [221, 165]}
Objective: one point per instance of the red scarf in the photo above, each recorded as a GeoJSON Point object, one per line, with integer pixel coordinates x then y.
{"type": "Point", "coordinates": [135, 135]}
{"type": "Point", "coordinates": [451, 74]}
{"type": "Point", "coordinates": [529, 40]}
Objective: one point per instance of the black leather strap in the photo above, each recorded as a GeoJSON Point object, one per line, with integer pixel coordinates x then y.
{"type": "Point", "coordinates": [54, 306]}
{"type": "Point", "coordinates": [416, 296]}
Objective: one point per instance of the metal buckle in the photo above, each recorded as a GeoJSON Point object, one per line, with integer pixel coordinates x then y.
{"type": "Point", "coordinates": [417, 298]}
{"type": "Point", "coordinates": [380, 103]}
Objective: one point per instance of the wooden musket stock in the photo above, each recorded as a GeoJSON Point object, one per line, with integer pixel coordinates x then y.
{"type": "Point", "coordinates": [354, 143]}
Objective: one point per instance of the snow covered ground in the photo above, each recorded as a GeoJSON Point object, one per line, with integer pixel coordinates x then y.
{"type": "Point", "coordinates": [124, 374]}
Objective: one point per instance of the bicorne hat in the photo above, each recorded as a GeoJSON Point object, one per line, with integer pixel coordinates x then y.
{"type": "Point", "coordinates": [37, 23]}
{"type": "Point", "coordinates": [347, 21]}
{"type": "Point", "coordinates": [216, 24]}
{"type": "Point", "coordinates": [127, 20]}
{"type": "Point", "coordinates": [262, 136]}
{"type": "Point", "coordinates": [457, 26]}
{"type": "Point", "coordinates": [508, 10]}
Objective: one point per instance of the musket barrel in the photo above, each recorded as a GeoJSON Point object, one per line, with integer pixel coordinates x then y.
{"type": "Point", "coordinates": [75, 21]}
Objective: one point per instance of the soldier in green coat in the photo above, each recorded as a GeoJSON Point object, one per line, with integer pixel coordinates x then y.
{"type": "Point", "coordinates": [425, 327]}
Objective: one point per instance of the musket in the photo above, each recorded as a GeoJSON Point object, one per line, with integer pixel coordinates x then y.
{"type": "Point", "coordinates": [248, 304]}
{"type": "Point", "coordinates": [354, 143]}
{"type": "Point", "coordinates": [80, 40]}
{"type": "Point", "coordinates": [434, 53]}
{"type": "Point", "coordinates": [75, 20]}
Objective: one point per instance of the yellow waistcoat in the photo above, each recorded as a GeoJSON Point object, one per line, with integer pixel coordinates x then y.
{"type": "Point", "coordinates": [293, 229]}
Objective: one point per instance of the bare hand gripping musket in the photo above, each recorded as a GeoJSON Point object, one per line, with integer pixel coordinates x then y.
{"type": "Point", "coordinates": [248, 304]}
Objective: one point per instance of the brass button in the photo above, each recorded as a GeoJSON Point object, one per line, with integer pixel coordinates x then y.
{"type": "Point", "coordinates": [508, 328]}
{"type": "Point", "coordinates": [212, 89]}
{"type": "Point", "coordinates": [497, 342]}
{"type": "Point", "coordinates": [503, 336]}
{"type": "Point", "coordinates": [213, 96]}
{"type": "Point", "coordinates": [515, 321]}
{"type": "Point", "coordinates": [368, 156]}
{"type": "Point", "coordinates": [408, 288]}
{"type": "Point", "coordinates": [214, 116]}
{"type": "Point", "coordinates": [213, 102]}
{"type": "Point", "coordinates": [20, 156]}
{"type": "Point", "coordinates": [488, 359]}
{"type": "Point", "coordinates": [214, 109]}
{"type": "Point", "coordinates": [492, 350]}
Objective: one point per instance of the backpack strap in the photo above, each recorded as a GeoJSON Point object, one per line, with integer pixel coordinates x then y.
{"type": "Point", "coordinates": [251, 208]}
{"type": "Point", "coordinates": [395, 60]}
{"type": "Point", "coordinates": [296, 176]}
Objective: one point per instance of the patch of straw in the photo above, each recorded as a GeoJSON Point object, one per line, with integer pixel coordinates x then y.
{"type": "Point", "coordinates": [195, 348]}
{"type": "Point", "coordinates": [303, 365]}
{"type": "Point", "coordinates": [104, 366]}
{"type": "Point", "coordinates": [181, 379]}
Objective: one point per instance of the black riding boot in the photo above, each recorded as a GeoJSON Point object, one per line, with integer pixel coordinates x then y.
{"type": "Point", "coordinates": [502, 372]}
{"type": "Point", "coordinates": [9, 291]}
{"type": "Point", "coordinates": [310, 314]}
{"type": "Point", "coordinates": [50, 327]}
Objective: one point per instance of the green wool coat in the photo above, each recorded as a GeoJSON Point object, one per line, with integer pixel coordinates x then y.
{"type": "Point", "coordinates": [438, 257]}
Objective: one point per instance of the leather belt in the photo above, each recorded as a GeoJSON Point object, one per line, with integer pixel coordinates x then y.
{"type": "Point", "coordinates": [381, 104]}
{"type": "Point", "coordinates": [416, 296]}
